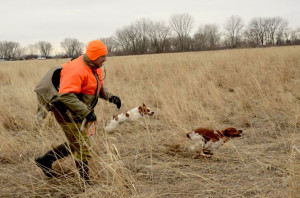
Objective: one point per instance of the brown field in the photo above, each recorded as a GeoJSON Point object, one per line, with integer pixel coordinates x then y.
{"type": "Point", "coordinates": [256, 90]}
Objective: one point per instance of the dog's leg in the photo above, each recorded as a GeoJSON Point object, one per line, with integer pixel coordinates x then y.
{"type": "Point", "coordinates": [201, 154]}
{"type": "Point", "coordinates": [207, 156]}
{"type": "Point", "coordinates": [207, 152]}
{"type": "Point", "coordinates": [197, 156]}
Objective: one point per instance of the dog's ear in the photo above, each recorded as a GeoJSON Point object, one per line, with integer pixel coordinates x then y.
{"type": "Point", "coordinates": [226, 133]}
{"type": "Point", "coordinates": [140, 109]}
{"type": "Point", "coordinates": [144, 105]}
{"type": "Point", "coordinates": [232, 132]}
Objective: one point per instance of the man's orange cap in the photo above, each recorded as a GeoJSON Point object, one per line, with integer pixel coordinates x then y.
{"type": "Point", "coordinates": [95, 49]}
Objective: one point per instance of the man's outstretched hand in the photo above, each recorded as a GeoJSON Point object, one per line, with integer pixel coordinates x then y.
{"type": "Point", "coordinates": [116, 100]}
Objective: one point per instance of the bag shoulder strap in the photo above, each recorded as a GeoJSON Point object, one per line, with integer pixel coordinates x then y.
{"type": "Point", "coordinates": [97, 90]}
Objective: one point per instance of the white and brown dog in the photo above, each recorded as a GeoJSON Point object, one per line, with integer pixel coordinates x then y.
{"type": "Point", "coordinates": [206, 141]}
{"type": "Point", "coordinates": [132, 115]}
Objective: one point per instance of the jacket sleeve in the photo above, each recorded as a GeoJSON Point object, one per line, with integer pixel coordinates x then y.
{"type": "Point", "coordinates": [74, 104]}
{"type": "Point", "coordinates": [104, 93]}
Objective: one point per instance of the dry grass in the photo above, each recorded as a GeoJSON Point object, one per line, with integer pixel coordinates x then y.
{"type": "Point", "coordinates": [257, 90]}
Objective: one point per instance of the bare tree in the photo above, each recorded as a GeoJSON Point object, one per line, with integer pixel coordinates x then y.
{"type": "Point", "coordinates": [123, 40]}
{"type": "Point", "coordinates": [252, 37]}
{"type": "Point", "coordinates": [110, 43]}
{"type": "Point", "coordinates": [134, 39]}
{"type": "Point", "coordinates": [272, 27]}
{"type": "Point", "coordinates": [126, 38]}
{"type": "Point", "coordinates": [256, 31]}
{"type": "Point", "coordinates": [44, 48]}
{"type": "Point", "coordinates": [1, 50]}
{"type": "Point", "coordinates": [207, 37]}
{"type": "Point", "coordinates": [31, 49]}
{"type": "Point", "coordinates": [212, 30]}
{"type": "Point", "coordinates": [158, 36]}
{"type": "Point", "coordinates": [200, 40]}
{"type": "Point", "coordinates": [253, 32]}
{"type": "Point", "coordinates": [72, 47]}
{"type": "Point", "coordinates": [182, 25]}
{"type": "Point", "coordinates": [266, 31]}
{"type": "Point", "coordinates": [10, 50]}
{"type": "Point", "coordinates": [233, 28]}
{"type": "Point", "coordinates": [295, 36]}
{"type": "Point", "coordinates": [282, 32]}
{"type": "Point", "coordinates": [142, 30]}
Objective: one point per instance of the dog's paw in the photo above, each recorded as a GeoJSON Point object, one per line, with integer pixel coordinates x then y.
{"type": "Point", "coordinates": [201, 155]}
{"type": "Point", "coordinates": [206, 156]}
{"type": "Point", "coordinates": [208, 153]}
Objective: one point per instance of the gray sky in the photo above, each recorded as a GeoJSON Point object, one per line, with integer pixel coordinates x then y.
{"type": "Point", "coordinates": [29, 21]}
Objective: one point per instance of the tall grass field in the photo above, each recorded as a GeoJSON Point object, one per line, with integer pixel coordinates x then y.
{"type": "Point", "coordinates": [256, 90]}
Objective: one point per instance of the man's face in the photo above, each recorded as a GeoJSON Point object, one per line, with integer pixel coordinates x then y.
{"type": "Point", "coordinates": [99, 61]}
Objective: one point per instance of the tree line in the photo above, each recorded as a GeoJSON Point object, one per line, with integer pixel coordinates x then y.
{"type": "Point", "coordinates": [146, 36]}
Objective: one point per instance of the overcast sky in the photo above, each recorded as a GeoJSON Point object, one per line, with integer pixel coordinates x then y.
{"type": "Point", "coordinates": [29, 21]}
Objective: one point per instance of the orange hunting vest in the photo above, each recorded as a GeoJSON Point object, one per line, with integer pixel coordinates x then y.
{"type": "Point", "coordinates": [76, 77]}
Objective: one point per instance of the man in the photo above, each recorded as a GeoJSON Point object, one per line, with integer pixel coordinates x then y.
{"type": "Point", "coordinates": [80, 86]}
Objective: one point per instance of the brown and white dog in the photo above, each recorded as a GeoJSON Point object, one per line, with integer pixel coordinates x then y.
{"type": "Point", "coordinates": [132, 115]}
{"type": "Point", "coordinates": [206, 141]}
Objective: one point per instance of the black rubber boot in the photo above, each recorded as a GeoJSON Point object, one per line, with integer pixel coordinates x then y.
{"type": "Point", "coordinates": [45, 161]}
{"type": "Point", "coordinates": [83, 170]}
